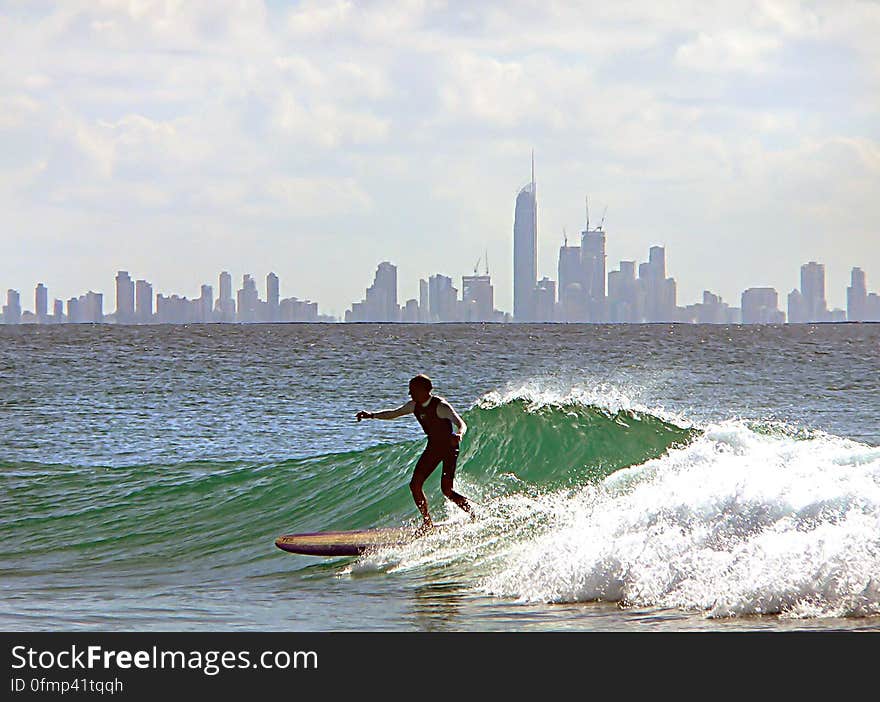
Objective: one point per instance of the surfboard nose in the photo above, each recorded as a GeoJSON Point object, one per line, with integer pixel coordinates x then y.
{"type": "Point", "coordinates": [284, 542]}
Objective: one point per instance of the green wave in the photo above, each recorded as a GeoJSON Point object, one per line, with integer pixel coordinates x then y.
{"type": "Point", "coordinates": [232, 511]}
{"type": "Point", "coordinates": [564, 443]}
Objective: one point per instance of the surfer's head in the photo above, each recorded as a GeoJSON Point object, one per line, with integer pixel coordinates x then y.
{"type": "Point", "coordinates": [420, 388]}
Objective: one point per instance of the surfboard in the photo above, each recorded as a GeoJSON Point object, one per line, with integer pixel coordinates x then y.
{"type": "Point", "coordinates": [345, 543]}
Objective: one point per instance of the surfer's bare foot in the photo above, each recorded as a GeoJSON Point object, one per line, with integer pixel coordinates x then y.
{"type": "Point", "coordinates": [426, 527]}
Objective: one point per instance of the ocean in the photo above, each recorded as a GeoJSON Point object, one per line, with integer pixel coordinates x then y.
{"type": "Point", "coordinates": [643, 477]}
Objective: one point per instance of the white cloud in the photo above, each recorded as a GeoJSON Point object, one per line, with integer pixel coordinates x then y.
{"type": "Point", "coordinates": [317, 197]}
{"type": "Point", "coordinates": [15, 110]}
{"type": "Point", "coordinates": [317, 19]}
{"type": "Point", "coordinates": [728, 51]}
{"type": "Point", "coordinates": [326, 125]}
{"type": "Point", "coordinates": [343, 80]}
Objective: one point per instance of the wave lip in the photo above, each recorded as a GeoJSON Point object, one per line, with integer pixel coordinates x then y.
{"type": "Point", "coordinates": [552, 437]}
{"type": "Point", "coordinates": [605, 397]}
{"type": "Point", "coordinates": [735, 523]}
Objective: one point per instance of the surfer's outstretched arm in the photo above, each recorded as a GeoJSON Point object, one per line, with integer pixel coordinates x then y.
{"type": "Point", "coordinates": [402, 411]}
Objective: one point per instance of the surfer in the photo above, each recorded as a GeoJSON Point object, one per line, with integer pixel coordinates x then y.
{"type": "Point", "coordinates": [437, 417]}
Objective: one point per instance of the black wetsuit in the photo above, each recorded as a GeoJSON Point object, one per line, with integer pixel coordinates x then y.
{"type": "Point", "coordinates": [441, 446]}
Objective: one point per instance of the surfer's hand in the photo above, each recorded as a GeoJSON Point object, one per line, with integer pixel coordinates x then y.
{"type": "Point", "coordinates": [363, 415]}
{"type": "Point", "coordinates": [456, 440]}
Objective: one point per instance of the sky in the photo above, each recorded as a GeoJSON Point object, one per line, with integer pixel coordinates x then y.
{"type": "Point", "coordinates": [178, 139]}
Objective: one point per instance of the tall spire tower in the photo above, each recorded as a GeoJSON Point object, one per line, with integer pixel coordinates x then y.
{"type": "Point", "coordinates": [525, 250]}
{"type": "Point", "coordinates": [533, 172]}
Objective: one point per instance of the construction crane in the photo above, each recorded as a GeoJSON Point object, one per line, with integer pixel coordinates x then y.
{"type": "Point", "coordinates": [601, 222]}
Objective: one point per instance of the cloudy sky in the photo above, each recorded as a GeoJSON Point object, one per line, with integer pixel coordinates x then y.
{"type": "Point", "coordinates": [177, 139]}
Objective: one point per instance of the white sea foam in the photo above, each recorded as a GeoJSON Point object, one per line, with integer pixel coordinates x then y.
{"type": "Point", "coordinates": [736, 523]}
{"type": "Point", "coordinates": [611, 398]}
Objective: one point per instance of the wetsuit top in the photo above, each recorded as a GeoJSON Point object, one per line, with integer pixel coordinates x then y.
{"type": "Point", "coordinates": [438, 429]}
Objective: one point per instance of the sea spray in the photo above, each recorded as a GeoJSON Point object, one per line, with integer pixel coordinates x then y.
{"type": "Point", "coordinates": [735, 523]}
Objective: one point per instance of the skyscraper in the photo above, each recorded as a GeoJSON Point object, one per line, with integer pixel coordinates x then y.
{"type": "Point", "coordinates": [625, 304]}
{"type": "Point", "coordinates": [272, 296]}
{"type": "Point", "coordinates": [73, 311]}
{"type": "Point", "coordinates": [386, 288]}
{"type": "Point", "coordinates": [92, 307]}
{"type": "Point", "coordinates": [760, 306]}
{"type": "Point", "coordinates": [872, 308]}
{"type": "Point", "coordinates": [477, 296]}
{"type": "Point", "coordinates": [796, 311]}
{"type": "Point", "coordinates": [856, 296]}
{"type": "Point", "coordinates": [424, 315]}
{"type": "Point", "coordinates": [206, 303]}
{"type": "Point", "coordinates": [58, 312]}
{"type": "Point", "coordinates": [545, 297]}
{"type": "Point", "coordinates": [124, 298]}
{"type": "Point", "coordinates": [442, 298]}
{"type": "Point", "coordinates": [12, 308]}
{"type": "Point", "coordinates": [658, 291]}
{"type": "Point", "coordinates": [593, 265]}
{"type": "Point", "coordinates": [225, 286]}
{"type": "Point", "coordinates": [225, 303]}
{"type": "Point", "coordinates": [143, 298]}
{"type": "Point", "coordinates": [525, 251]}
{"type": "Point", "coordinates": [248, 300]}
{"type": "Point", "coordinates": [813, 292]}
{"type": "Point", "coordinates": [570, 286]}
{"type": "Point", "coordinates": [410, 312]}
{"type": "Point", "coordinates": [292, 309]}
{"type": "Point", "coordinates": [657, 259]}
{"type": "Point", "coordinates": [41, 303]}
{"type": "Point", "coordinates": [380, 302]}
{"type": "Point", "coordinates": [712, 310]}
{"type": "Point", "coordinates": [178, 310]}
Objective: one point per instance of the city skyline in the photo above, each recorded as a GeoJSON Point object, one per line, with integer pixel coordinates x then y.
{"type": "Point", "coordinates": [136, 304]}
{"type": "Point", "coordinates": [837, 285]}
{"type": "Point", "coordinates": [577, 295]}
{"type": "Point", "coordinates": [238, 134]}
{"type": "Point", "coordinates": [648, 297]}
